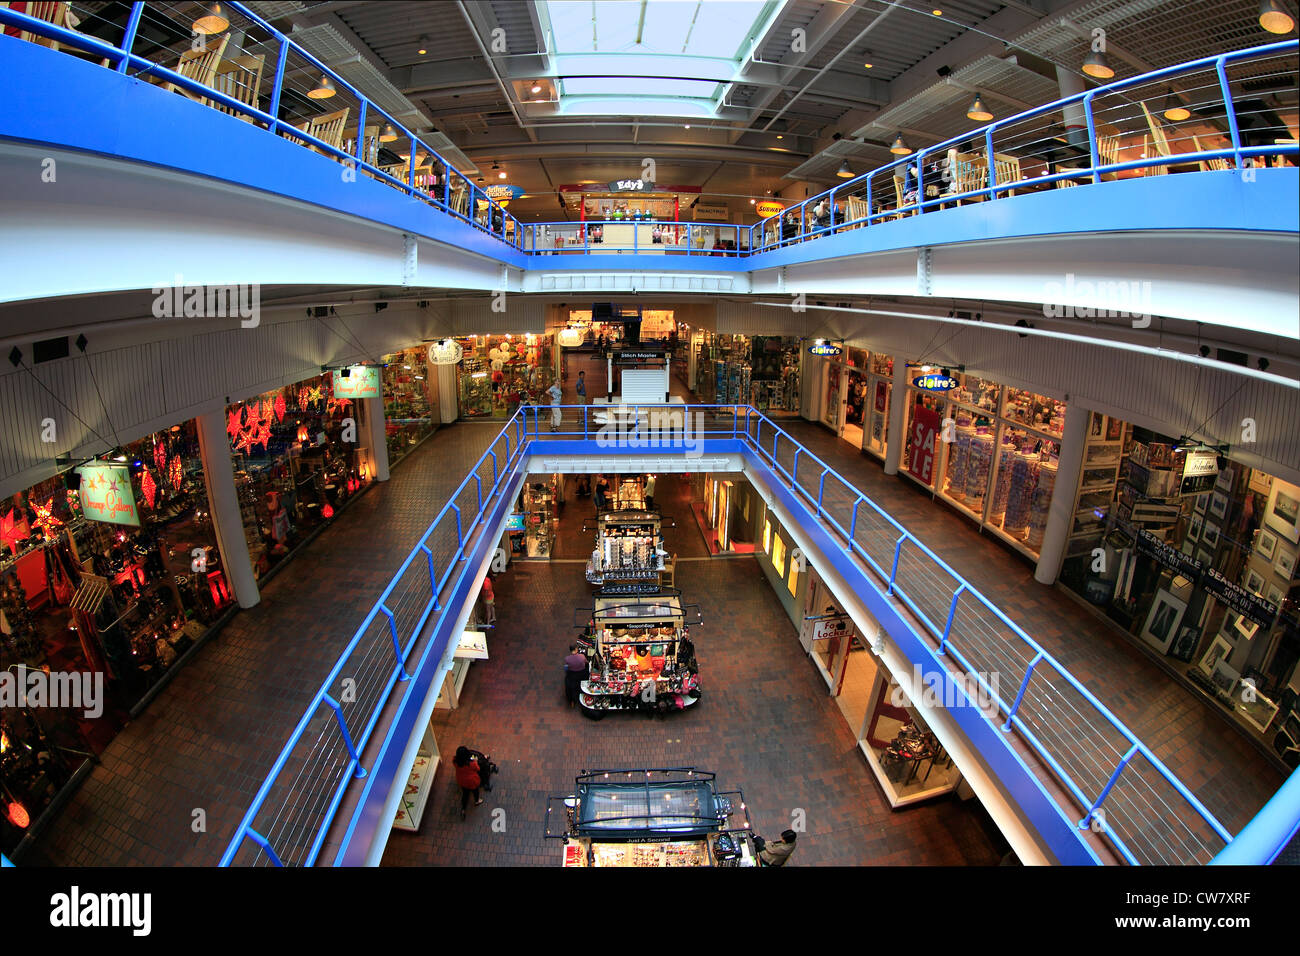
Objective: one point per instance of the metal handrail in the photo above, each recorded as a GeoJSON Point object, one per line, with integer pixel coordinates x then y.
{"type": "Point", "coordinates": [756, 244]}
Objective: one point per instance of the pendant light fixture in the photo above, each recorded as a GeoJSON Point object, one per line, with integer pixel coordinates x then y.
{"type": "Point", "coordinates": [899, 148]}
{"type": "Point", "coordinates": [978, 111]}
{"type": "Point", "coordinates": [844, 172]}
{"type": "Point", "coordinates": [212, 21]}
{"type": "Point", "coordinates": [324, 89]}
{"type": "Point", "coordinates": [1097, 66]}
{"type": "Point", "coordinates": [1174, 110]}
{"type": "Point", "coordinates": [1274, 18]}
{"type": "Point", "coordinates": [423, 47]}
{"type": "Point", "coordinates": [388, 134]}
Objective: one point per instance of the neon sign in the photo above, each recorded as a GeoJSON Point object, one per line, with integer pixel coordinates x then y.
{"type": "Point", "coordinates": [935, 383]}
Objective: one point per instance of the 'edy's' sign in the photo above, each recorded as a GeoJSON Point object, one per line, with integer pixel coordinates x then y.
{"type": "Point", "coordinates": [106, 493]}
{"type": "Point", "coordinates": [359, 381]}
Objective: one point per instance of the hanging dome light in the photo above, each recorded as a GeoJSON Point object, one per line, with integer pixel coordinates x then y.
{"type": "Point", "coordinates": [978, 111]}
{"type": "Point", "coordinates": [1174, 110]}
{"type": "Point", "coordinates": [388, 134]}
{"type": "Point", "coordinates": [1273, 18]}
{"type": "Point", "coordinates": [1097, 66]}
{"type": "Point", "coordinates": [212, 21]}
{"type": "Point", "coordinates": [844, 172]}
{"type": "Point", "coordinates": [423, 47]}
{"type": "Point", "coordinates": [324, 89]}
{"type": "Point", "coordinates": [899, 148]}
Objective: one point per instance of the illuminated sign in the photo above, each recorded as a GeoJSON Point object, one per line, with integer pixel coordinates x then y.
{"type": "Point", "coordinates": [631, 186]}
{"type": "Point", "coordinates": [106, 493]}
{"type": "Point", "coordinates": [935, 383]}
{"type": "Point", "coordinates": [446, 352]}
{"type": "Point", "coordinates": [769, 207]}
{"type": "Point", "coordinates": [359, 381]}
{"type": "Point", "coordinates": [570, 337]}
{"type": "Point", "coordinates": [826, 350]}
{"type": "Point", "coordinates": [1200, 471]}
{"type": "Point", "coordinates": [502, 194]}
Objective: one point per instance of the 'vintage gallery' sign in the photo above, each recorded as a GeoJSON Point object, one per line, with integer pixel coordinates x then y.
{"type": "Point", "coordinates": [1200, 471]}
{"type": "Point", "coordinates": [359, 381]}
{"type": "Point", "coordinates": [106, 493]}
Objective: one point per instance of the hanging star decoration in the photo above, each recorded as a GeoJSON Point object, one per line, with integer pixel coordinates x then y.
{"type": "Point", "coordinates": [256, 428]}
{"type": "Point", "coordinates": [235, 422]}
{"type": "Point", "coordinates": [279, 407]}
{"type": "Point", "coordinates": [148, 487]}
{"type": "Point", "coordinates": [304, 397]}
{"type": "Point", "coordinates": [176, 473]}
{"type": "Point", "coordinates": [160, 455]}
{"type": "Point", "coordinates": [45, 520]}
{"type": "Point", "coordinates": [268, 410]}
{"type": "Point", "coordinates": [315, 394]}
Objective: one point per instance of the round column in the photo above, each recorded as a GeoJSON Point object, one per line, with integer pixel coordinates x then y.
{"type": "Point", "coordinates": [897, 418]}
{"type": "Point", "coordinates": [223, 503]}
{"type": "Point", "coordinates": [1060, 515]}
{"type": "Point", "coordinates": [376, 437]}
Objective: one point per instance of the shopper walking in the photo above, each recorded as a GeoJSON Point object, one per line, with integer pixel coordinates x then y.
{"type": "Point", "coordinates": [575, 672]}
{"type": "Point", "coordinates": [467, 778]}
{"type": "Point", "coordinates": [599, 491]}
{"type": "Point", "coordinates": [581, 387]}
{"type": "Point", "coordinates": [650, 492]}
{"type": "Point", "coordinates": [556, 394]}
{"type": "Point", "coordinates": [778, 853]}
{"type": "Point", "coordinates": [489, 596]}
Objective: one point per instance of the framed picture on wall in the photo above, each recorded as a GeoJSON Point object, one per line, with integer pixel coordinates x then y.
{"type": "Point", "coordinates": [1163, 619]}
{"type": "Point", "coordinates": [1097, 427]}
{"type": "Point", "coordinates": [1245, 627]}
{"type": "Point", "coordinates": [1206, 558]}
{"type": "Point", "coordinates": [1224, 678]}
{"type": "Point", "coordinates": [1284, 565]}
{"type": "Point", "coordinates": [1202, 501]}
{"type": "Point", "coordinates": [1210, 536]}
{"type": "Point", "coordinates": [1218, 505]}
{"type": "Point", "coordinates": [1185, 646]}
{"type": "Point", "coordinates": [1219, 650]}
{"type": "Point", "coordinates": [1282, 513]}
{"type": "Point", "coordinates": [1254, 581]}
{"type": "Point", "coordinates": [1194, 528]}
{"type": "Point", "coordinates": [1260, 481]}
{"type": "Point", "coordinates": [1266, 544]}
{"type": "Point", "coordinates": [1224, 481]}
{"type": "Point", "coordinates": [1114, 429]}
{"type": "Point", "coordinates": [1274, 595]}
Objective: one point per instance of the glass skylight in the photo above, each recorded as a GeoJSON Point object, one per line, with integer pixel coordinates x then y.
{"type": "Point", "coordinates": [651, 57]}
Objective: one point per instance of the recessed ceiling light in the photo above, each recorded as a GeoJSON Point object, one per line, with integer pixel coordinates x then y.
{"type": "Point", "coordinates": [536, 89]}
{"type": "Point", "coordinates": [501, 175]}
{"type": "Point", "coordinates": [937, 12]}
{"type": "Point", "coordinates": [687, 126]}
{"type": "Point", "coordinates": [779, 136]}
{"type": "Point", "coordinates": [867, 66]}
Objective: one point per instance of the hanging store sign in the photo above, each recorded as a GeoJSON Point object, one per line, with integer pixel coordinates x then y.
{"type": "Point", "coordinates": [769, 207]}
{"type": "Point", "coordinates": [935, 383]}
{"type": "Point", "coordinates": [1200, 469]}
{"type": "Point", "coordinates": [446, 352]}
{"type": "Point", "coordinates": [359, 381]}
{"type": "Point", "coordinates": [570, 338]}
{"type": "Point", "coordinates": [106, 494]}
{"type": "Point", "coordinates": [1235, 597]}
{"type": "Point", "coordinates": [631, 186]}
{"type": "Point", "coordinates": [711, 212]}
{"type": "Point", "coordinates": [827, 351]}
{"type": "Point", "coordinates": [503, 194]}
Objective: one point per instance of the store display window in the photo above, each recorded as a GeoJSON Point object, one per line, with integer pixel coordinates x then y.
{"type": "Point", "coordinates": [297, 460]}
{"type": "Point", "coordinates": [1036, 411]}
{"type": "Point", "coordinates": [1024, 476]}
{"type": "Point", "coordinates": [978, 394]}
{"type": "Point", "coordinates": [498, 372]}
{"type": "Point", "coordinates": [410, 400]}
{"type": "Point", "coordinates": [970, 461]}
{"type": "Point", "coordinates": [907, 758]}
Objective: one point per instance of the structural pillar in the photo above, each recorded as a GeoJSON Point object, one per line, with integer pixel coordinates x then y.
{"type": "Point", "coordinates": [375, 437]}
{"type": "Point", "coordinates": [897, 417]}
{"type": "Point", "coordinates": [447, 396]}
{"type": "Point", "coordinates": [1060, 514]}
{"type": "Point", "coordinates": [223, 503]}
{"type": "Point", "coordinates": [1076, 121]}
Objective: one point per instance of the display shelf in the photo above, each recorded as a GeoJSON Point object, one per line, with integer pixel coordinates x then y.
{"type": "Point", "coordinates": [416, 795]}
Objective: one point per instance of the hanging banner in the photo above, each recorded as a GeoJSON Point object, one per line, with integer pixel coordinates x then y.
{"type": "Point", "coordinates": [882, 396]}
{"type": "Point", "coordinates": [1166, 555]}
{"type": "Point", "coordinates": [106, 493]}
{"type": "Point", "coordinates": [924, 437]}
{"type": "Point", "coordinates": [1235, 597]}
{"type": "Point", "coordinates": [359, 381]}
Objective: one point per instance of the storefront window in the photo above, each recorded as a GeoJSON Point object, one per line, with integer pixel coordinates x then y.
{"type": "Point", "coordinates": [497, 372]}
{"type": "Point", "coordinates": [977, 393]}
{"type": "Point", "coordinates": [1024, 477]}
{"type": "Point", "coordinates": [410, 400]}
{"type": "Point", "coordinates": [297, 460]}
{"type": "Point", "coordinates": [1036, 411]}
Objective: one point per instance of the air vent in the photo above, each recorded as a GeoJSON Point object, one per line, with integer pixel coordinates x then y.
{"type": "Point", "coordinates": [47, 350]}
{"type": "Point", "coordinates": [1228, 355]}
{"type": "Point", "coordinates": [320, 312]}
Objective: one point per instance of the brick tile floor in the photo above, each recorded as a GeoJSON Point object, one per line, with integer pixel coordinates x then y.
{"type": "Point", "coordinates": [765, 725]}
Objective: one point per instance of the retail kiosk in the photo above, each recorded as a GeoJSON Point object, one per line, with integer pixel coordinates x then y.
{"type": "Point", "coordinates": [629, 547]}
{"type": "Point", "coordinates": [658, 817]}
{"type": "Point", "coordinates": [639, 655]}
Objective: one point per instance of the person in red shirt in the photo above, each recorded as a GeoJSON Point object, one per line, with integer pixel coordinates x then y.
{"type": "Point", "coordinates": [467, 778]}
{"type": "Point", "coordinates": [489, 601]}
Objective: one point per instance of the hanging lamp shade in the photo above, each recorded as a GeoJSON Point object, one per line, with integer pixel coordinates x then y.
{"type": "Point", "coordinates": [978, 111]}
{"type": "Point", "coordinates": [899, 148]}
{"type": "Point", "coordinates": [324, 89]}
{"type": "Point", "coordinates": [213, 20]}
{"type": "Point", "coordinates": [1097, 66]}
{"type": "Point", "coordinates": [1274, 18]}
{"type": "Point", "coordinates": [423, 46]}
{"type": "Point", "coordinates": [1174, 110]}
{"type": "Point", "coordinates": [844, 172]}
{"type": "Point", "coordinates": [388, 134]}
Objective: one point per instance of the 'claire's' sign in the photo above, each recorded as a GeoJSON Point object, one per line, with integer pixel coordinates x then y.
{"type": "Point", "coordinates": [106, 493]}
{"type": "Point", "coordinates": [935, 383]}
{"type": "Point", "coordinates": [829, 351]}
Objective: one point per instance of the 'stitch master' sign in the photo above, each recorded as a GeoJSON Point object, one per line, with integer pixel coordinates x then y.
{"type": "Point", "coordinates": [106, 494]}
{"type": "Point", "coordinates": [361, 381]}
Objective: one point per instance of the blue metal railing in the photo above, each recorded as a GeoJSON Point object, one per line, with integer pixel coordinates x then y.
{"type": "Point", "coordinates": [1273, 828]}
{"type": "Point", "coordinates": [762, 236]}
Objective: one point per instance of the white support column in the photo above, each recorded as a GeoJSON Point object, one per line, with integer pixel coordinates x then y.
{"type": "Point", "coordinates": [1076, 121]}
{"type": "Point", "coordinates": [223, 502]}
{"type": "Point", "coordinates": [1060, 514]}
{"type": "Point", "coordinates": [376, 438]}
{"type": "Point", "coordinates": [448, 400]}
{"type": "Point", "coordinates": [897, 417]}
